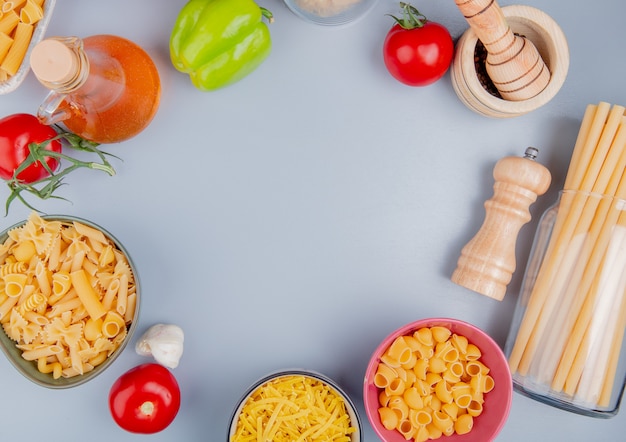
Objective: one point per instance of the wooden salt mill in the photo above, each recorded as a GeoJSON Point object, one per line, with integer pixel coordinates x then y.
{"type": "Point", "coordinates": [487, 262]}
{"type": "Point", "coordinates": [513, 62]}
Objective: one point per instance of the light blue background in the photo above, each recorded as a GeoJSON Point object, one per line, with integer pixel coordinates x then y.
{"type": "Point", "coordinates": [298, 217]}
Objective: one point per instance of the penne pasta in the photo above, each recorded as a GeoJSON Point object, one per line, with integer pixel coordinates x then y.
{"type": "Point", "coordinates": [12, 5]}
{"type": "Point", "coordinates": [31, 12]}
{"type": "Point", "coordinates": [9, 22]}
{"type": "Point", "coordinates": [5, 45]}
{"type": "Point", "coordinates": [21, 39]}
{"type": "Point", "coordinates": [42, 352]}
{"type": "Point", "coordinates": [87, 295]}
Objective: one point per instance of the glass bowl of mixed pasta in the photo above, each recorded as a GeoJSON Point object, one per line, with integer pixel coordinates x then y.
{"type": "Point", "coordinates": [22, 25]}
{"type": "Point", "coordinates": [69, 299]}
{"type": "Point", "coordinates": [438, 378]}
{"type": "Point", "coordinates": [291, 404]}
{"type": "Point", "coordinates": [330, 12]}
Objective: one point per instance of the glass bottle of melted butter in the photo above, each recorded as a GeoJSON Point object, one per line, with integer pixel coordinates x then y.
{"type": "Point", "coordinates": [104, 88]}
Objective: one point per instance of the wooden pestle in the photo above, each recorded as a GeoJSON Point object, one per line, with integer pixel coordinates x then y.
{"type": "Point", "coordinates": [487, 261]}
{"type": "Point", "coordinates": [513, 62]}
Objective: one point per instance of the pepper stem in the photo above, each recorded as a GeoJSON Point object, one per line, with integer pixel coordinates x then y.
{"type": "Point", "coordinates": [267, 14]}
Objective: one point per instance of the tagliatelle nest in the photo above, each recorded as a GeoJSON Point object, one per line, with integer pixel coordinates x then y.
{"type": "Point", "coordinates": [326, 8]}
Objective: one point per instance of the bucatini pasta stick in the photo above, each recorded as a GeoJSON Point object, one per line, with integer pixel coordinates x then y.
{"type": "Point", "coordinates": [572, 330]}
{"type": "Point", "coordinates": [582, 260]}
{"type": "Point", "coordinates": [589, 129]}
{"type": "Point", "coordinates": [584, 148]}
{"type": "Point", "coordinates": [599, 334]}
{"type": "Point", "coordinates": [572, 207]}
{"type": "Point", "coordinates": [590, 291]}
{"type": "Point", "coordinates": [617, 340]}
{"type": "Point", "coordinates": [601, 233]}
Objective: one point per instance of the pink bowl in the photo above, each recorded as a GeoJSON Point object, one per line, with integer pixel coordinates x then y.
{"type": "Point", "coordinates": [497, 402]}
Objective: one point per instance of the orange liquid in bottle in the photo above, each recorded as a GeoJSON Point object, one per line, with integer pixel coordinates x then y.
{"type": "Point", "coordinates": [121, 94]}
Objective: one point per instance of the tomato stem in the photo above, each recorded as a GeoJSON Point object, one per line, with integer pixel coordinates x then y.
{"type": "Point", "coordinates": [147, 408]}
{"type": "Point", "coordinates": [45, 187]}
{"type": "Point", "coordinates": [411, 17]}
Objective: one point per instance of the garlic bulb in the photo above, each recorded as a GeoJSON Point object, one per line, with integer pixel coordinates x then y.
{"type": "Point", "coordinates": [164, 342]}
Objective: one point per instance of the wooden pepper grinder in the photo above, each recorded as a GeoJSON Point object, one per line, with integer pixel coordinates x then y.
{"type": "Point", "coordinates": [513, 62]}
{"type": "Point", "coordinates": [487, 262]}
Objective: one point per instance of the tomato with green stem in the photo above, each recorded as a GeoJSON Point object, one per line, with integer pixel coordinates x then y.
{"type": "Point", "coordinates": [16, 133]}
{"type": "Point", "coordinates": [416, 51]}
{"type": "Point", "coordinates": [145, 399]}
{"type": "Point", "coordinates": [32, 152]}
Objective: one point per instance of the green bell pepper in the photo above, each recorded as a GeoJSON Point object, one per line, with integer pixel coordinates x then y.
{"type": "Point", "coordinates": [219, 42]}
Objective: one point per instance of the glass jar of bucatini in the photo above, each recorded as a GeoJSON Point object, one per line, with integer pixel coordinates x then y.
{"type": "Point", "coordinates": [566, 346]}
{"type": "Point", "coordinates": [566, 343]}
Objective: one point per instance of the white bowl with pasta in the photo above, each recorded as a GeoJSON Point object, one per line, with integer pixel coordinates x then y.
{"type": "Point", "coordinates": [22, 26]}
{"type": "Point", "coordinates": [276, 402]}
{"type": "Point", "coordinates": [69, 299]}
{"type": "Point", "coordinates": [330, 12]}
{"type": "Point", "coordinates": [438, 378]}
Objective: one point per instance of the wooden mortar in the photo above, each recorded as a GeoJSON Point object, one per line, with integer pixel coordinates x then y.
{"type": "Point", "coordinates": [513, 63]}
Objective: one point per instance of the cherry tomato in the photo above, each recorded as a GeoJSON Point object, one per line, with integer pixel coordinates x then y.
{"type": "Point", "coordinates": [16, 133]}
{"type": "Point", "coordinates": [145, 399]}
{"type": "Point", "coordinates": [417, 52]}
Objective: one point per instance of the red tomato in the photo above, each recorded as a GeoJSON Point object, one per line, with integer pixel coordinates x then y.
{"type": "Point", "coordinates": [16, 133]}
{"type": "Point", "coordinates": [417, 52]}
{"type": "Point", "coordinates": [145, 399]}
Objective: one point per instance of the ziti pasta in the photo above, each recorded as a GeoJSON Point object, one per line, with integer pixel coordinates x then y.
{"type": "Point", "coordinates": [432, 383]}
{"type": "Point", "coordinates": [60, 286]}
{"type": "Point", "coordinates": [292, 408]}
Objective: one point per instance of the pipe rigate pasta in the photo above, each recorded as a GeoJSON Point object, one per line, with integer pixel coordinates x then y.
{"type": "Point", "coordinates": [464, 424]}
{"type": "Point", "coordinates": [51, 295]}
{"type": "Point", "coordinates": [447, 390]}
{"type": "Point", "coordinates": [14, 284]}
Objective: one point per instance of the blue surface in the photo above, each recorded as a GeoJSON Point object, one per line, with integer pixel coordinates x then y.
{"type": "Point", "coordinates": [296, 218]}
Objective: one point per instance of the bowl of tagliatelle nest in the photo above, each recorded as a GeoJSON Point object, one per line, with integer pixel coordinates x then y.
{"type": "Point", "coordinates": [437, 378]}
{"type": "Point", "coordinates": [330, 12]}
{"type": "Point", "coordinates": [69, 299]}
{"type": "Point", "coordinates": [290, 405]}
{"type": "Point", "coordinates": [22, 25]}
